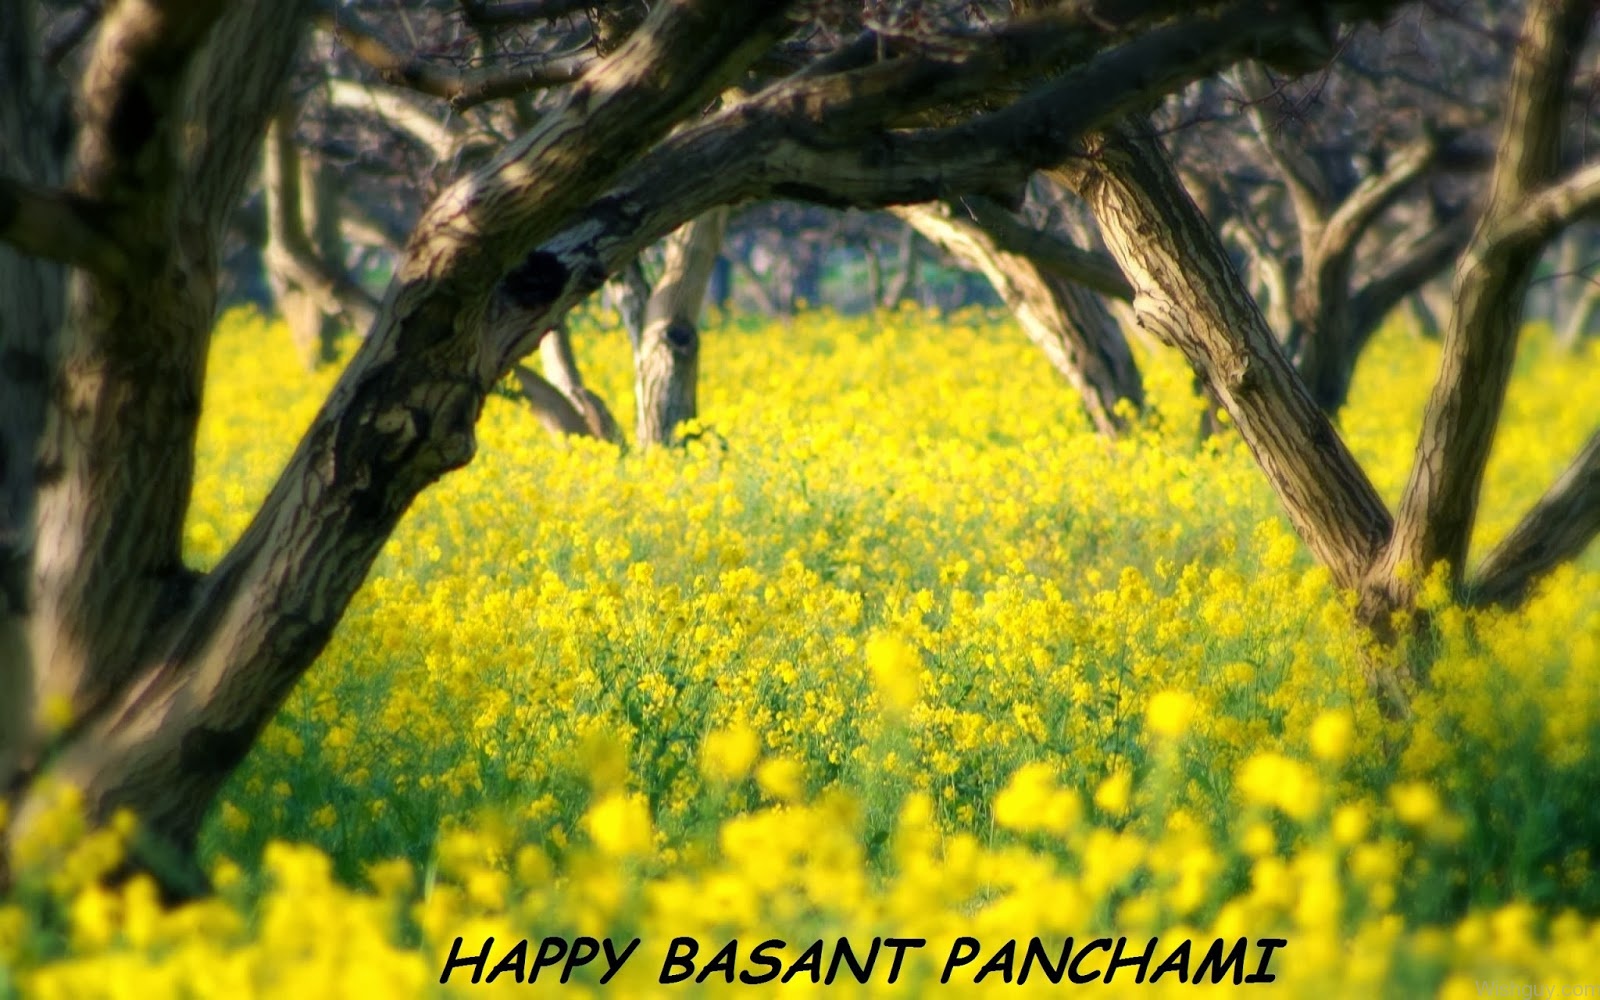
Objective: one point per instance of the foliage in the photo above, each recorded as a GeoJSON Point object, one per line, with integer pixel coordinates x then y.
{"type": "Point", "coordinates": [895, 645]}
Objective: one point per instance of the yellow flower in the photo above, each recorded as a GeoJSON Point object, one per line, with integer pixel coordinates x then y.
{"type": "Point", "coordinates": [1350, 823]}
{"type": "Point", "coordinates": [1170, 713]}
{"type": "Point", "coordinates": [1113, 793]}
{"type": "Point", "coordinates": [1415, 803]}
{"type": "Point", "coordinates": [728, 754]}
{"type": "Point", "coordinates": [619, 824]}
{"type": "Point", "coordinates": [1032, 802]}
{"type": "Point", "coordinates": [1331, 735]}
{"type": "Point", "coordinates": [781, 778]}
{"type": "Point", "coordinates": [896, 671]}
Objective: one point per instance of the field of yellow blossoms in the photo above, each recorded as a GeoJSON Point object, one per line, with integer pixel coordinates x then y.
{"type": "Point", "coordinates": [894, 647]}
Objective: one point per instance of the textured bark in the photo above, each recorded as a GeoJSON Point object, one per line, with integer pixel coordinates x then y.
{"type": "Point", "coordinates": [171, 676]}
{"type": "Point", "coordinates": [666, 364]}
{"type": "Point", "coordinates": [1189, 296]}
{"type": "Point", "coordinates": [1065, 321]}
{"type": "Point", "coordinates": [118, 451]}
{"type": "Point", "coordinates": [234, 644]}
{"type": "Point", "coordinates": [1436, 513]}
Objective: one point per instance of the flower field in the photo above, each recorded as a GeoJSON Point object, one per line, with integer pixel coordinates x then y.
{"type": "Point", "coordinates": [894, 647]}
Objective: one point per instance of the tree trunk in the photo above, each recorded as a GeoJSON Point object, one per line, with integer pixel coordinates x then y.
{"type": "Point", "coordinates": [171, 676]}
{"type": "Point", "coordinates": [1066, 321]}
{"type": "Point", "coordinates": [874, 262]}
{"type": "Point", "coordinates": [31, 305]}
{"type": "Point", "coordinates": [1580, 282]}
{"type": "Point", "coordinates": [560, 399]}
{"type": "Point", "coordinates": [304, 253]}
{"type": "Point", "coordinates": [1439, 507]}
{"type": "Point", "coordinates": [1189, 296]}
{"type": "Point", "coordinates": [905, 271]}
{"type": "Point", "coordinates": [667, 362]}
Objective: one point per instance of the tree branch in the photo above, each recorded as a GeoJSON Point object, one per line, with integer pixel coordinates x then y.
{"type": "Point", "coordinates": [393, 109]}
{"type": "Point", "coordinates": [1305, 181]}
{"type": "Point", "coordinates": [495, 15]}
{"type": "Point", "coordinates": [1439, 507]}
{"type": "Point", "coordinates": [56, 225]}
{"type": "Point", "coordinates": [1547, 211]}
{"type": "Point", "coordinates": [1068, 324]}
{"type": "Point", "coordinates": [1096, 271]}
{"type": "Point", "coordinates": [461, 88]}
{"type": "Point", "coordinates": [1413, 265]}
{"type": "Point", "coordinates": [1558, 528]}
{"type": "Point", "coordinates": [401, 415]}
{"type": "Point", "coordinates": [1376, 192]}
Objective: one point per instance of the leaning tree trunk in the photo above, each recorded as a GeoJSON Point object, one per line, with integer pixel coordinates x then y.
{"type": "Point", "coordinates": [1189, 296]}
{"type": "Point", "coordinates": [1067, 322]}
{"type": "Point", "coordinates": [169, 675]}
{"type": "Point", "coordinates": [667, 361]}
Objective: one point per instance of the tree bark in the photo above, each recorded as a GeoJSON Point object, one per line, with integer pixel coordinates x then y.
{"type": "Point", "coordinates": [667, 362]}
{"type": "Point", "coordinates": [1437, 511]}
{"type": "Point", "coordinates": [170, 676]}
{"type": "Point", "coordinates": [1067, 322]}
{"type": "Point", "coordinates": [1322, 325]}
{"type": "Point", "coordinates": [31, 307]}
{"type": "Point", "coordinates": [1558, 528]}
{"type": "Point", "coordinates": [905, 271]}
{"type": "Point", "coordinates": [177, 676]}
{"type": "Point", "coordinates": [1189, 296]}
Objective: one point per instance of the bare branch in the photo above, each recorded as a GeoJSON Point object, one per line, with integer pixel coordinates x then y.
{"type": "Point", "coordinates": [1547, 211]}
{"type": "Point", "coordinates": [392, 107]}
{"type": "Point", "coordinates": [462, 88]}
{"type": "Point", "coordinates": [484, 14]}
{"type": "Point", "coordinates": [1092, 270]}
{"type": "Point", "coordinates": [1409, 268]}
{"type": "Point", "coordinates": [1351, 219]}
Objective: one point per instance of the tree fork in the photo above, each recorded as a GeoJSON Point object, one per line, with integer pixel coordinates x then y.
{"type": "Point", "coordinates": [667, 361]}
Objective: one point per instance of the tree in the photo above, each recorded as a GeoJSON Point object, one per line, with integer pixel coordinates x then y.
{"type": "Point", "coordinates": [164, 676]}
{"type": "Point", "coordinates": [1190, 296]}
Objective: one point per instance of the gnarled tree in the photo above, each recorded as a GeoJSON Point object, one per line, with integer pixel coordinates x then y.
{"type": "Point", "coordinates": [165, 675]}
{"type": "Point", "coordinates": [1189, 294]}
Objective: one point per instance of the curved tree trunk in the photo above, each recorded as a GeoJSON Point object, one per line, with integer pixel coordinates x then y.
{"type": "Point", "coordinates": [667, 361]}
{"type": "Point", "coordinates": [1069, 323]}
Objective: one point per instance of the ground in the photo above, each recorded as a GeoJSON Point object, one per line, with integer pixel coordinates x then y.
{"type": "Point", "coordinates": [895, 646]}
